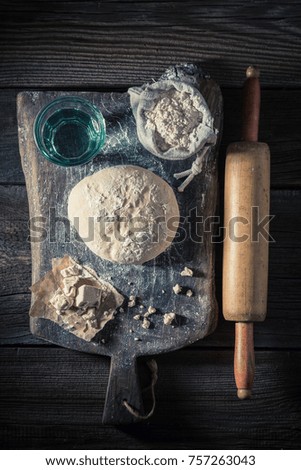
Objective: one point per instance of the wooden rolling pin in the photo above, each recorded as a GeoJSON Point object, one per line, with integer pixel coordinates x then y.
{"type": "Point", "coordinates": [245, 257]}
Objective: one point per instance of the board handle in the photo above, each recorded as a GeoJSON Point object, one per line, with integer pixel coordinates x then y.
{"type": "Point", "coordinates": [123, 387]}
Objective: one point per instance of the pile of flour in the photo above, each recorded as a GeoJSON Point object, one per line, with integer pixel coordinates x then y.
{"type": "Point", "coordinates": [175, 118]}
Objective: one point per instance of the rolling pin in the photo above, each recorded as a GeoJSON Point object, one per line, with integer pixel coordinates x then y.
{"type": "Point", "coordinates": [245, 253]}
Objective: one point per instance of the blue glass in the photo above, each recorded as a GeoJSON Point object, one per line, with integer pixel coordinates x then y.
{"type": "Point", "coordinates": [69, 131]}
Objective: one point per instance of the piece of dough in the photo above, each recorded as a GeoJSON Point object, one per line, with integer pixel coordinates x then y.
{"type": "Point", "coordinates": [125, 214]}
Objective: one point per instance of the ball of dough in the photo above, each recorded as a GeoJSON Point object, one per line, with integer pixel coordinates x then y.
{"type": "Point", "coordinates": [124, 214]}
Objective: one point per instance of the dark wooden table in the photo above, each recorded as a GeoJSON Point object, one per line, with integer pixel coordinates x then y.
{"type": "Point", "coordinates": [53, 398]}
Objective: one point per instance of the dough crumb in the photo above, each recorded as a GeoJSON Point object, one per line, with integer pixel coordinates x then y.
{"type": "Point", "coordinates": [103, 341]}
{"type": "Point", "coordinates": [189, 293]}
{"type": "Point", "coordinates": [145, 324]}
{"type": "Point", "coordinates": [89, 314]}
{"type": "Point", "coordinates": [68, 283]}
{"type": "Point", "coordinates": [187, 272]}
{"type": "Point", "coordinates": [88, 296]}
{"type": "Point", "coordinates": [177, 289]}
{"type": "Point", "coordinates": [136, 317]}
{"type": "Point", "coordinates": [169, 318]}
{"type": "Point", "coordinates": [151, 310]}
{"type": "Point", "coordinates": [60, 301]}
{"type": "Point", "coordinates": [137, 339]}
{"type": "Point", "coordinates": [121, 310]}
{"type": "Point", "coordinates": [74, 297]}
{"type": "Point", "coordinates": [73, 270]}
{"type": "Point", "coordinates": [72, 292]}
{"type": "Point", "coordinates": [132, 301]}
{"type": "Point", "coordinates": [163, 291]}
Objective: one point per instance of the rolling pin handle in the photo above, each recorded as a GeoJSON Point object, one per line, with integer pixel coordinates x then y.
{"type": "Point", "coordinates": [251, 105]}
{"type": "Point", "coordinates": [244, 359]}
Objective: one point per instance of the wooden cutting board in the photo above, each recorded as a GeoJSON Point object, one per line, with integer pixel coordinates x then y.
{"type": "Point", "coordinates": [48, 187]}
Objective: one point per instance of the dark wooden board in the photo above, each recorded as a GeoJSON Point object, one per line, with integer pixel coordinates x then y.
{"type": "Point", "coordinates": [197, 405]}
{"type": "Point", "coordinates": [91, 44]}
{"type": "Point", "coordinates": [112, 44]}
{"type": "Point", "coordinates": [283, 136]}
{"type": "Point", "coordinates": [48, 188]}
{"type": "Point", "coordinates": [281, 329]}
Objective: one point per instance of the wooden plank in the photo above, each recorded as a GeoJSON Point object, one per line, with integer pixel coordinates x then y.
{"type": "Point", "coordinates": [281, 329]}
{"type": "Point", "coordinates": [15, 249]}
{"type": "Point", "coordinates": [282, 135]}
{"type": "Point", "coordinates": [157, 11]}
{"type": "Point", "coordinates": [15, 258]}
{"type": "Point", "coordinates": [279, 128]}
{"type": "Point", "coordinates": [53, 398]}
{"type": "Point", "coordinates": [10, 164]}
{"type": "Point", "coordinates": [116, 44]}
{"type": "Point", "coordinates": [99, 43]}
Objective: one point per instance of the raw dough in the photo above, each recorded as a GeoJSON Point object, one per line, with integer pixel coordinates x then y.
{"type": "Point", "coordinates": [125, 214]}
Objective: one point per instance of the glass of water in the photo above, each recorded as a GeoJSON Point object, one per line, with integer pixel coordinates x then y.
{"type": "Point", "coordinates": [69, 131]}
